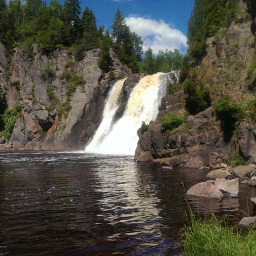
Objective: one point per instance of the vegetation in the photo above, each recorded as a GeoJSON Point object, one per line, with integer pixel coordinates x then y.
{"type": "Point", "coordinates": [144, 127]}
{"type": "Point", "coordinates": [236, 159]}
{"type": "Point", "coordinates": [47, 72]}
{"type": "Point", "coordinates": [172, 121]}
{"type": "Point", "coordinates": [207, 18]}
{"type": "Point", "coordinates": [214, 237]}
{"type": "Point", "coordinates": [229, 113]}
{"type": "Point", "coordinates": [9, 118]}
{"type": "Point", "coordinates": [197, 96]}
{"type": "Point", "coordinates": [16, 84]}
{"type": "Point", "coordinates": [162, 62]}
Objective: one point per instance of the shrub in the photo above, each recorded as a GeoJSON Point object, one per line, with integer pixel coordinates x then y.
{"type": "Point", "coordinates": [144, 127]}
{"type": "Point", "coordinates": [197, 97]}
{"type": "Point", "coordinates": [229, 113]}
{"type": "Point", "coordinates": [69, 64]}
{"type": "Point", "coordinates": [47, 73]}
{"type": "Point", "coordinates": [251, 74]}
{"type": "Point", "coordinates": [54, 100]}
{"type": "Point", "coordinates": [64, 109]}
{"type": "Point", "coordinates": [236, 160]}
{"type": "Point", "coordinates": [111, 74]}
{"type": "Point", "coordinates": [16, 84]}
{"type": "Point", "coordinates": [172, 121]}
{"type": "Point", "coordinates": [9, 119]}
{"type": "Point", "coordinates": [172, 88]}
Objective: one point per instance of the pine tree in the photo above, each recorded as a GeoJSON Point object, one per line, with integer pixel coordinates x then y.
{"type": "Point", "coordinates": [3, 21]}
{"type": "Point", "coordinates": [149, 62]}
{"type": "Point", "coordinates": [71, 18]}
{"type": "Point", "coordinates": [90, 30]}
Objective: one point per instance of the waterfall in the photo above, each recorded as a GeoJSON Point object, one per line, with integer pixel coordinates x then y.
{"type": "Point", "coordinates": [121, 137]}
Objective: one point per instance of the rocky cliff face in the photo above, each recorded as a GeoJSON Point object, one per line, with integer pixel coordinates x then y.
{"type": "Point", "coordinates": [62, 99]}
{"type": "Point", "coordinates": [199, 141]}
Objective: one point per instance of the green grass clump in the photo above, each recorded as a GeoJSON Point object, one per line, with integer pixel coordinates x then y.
{"type": "Point", "coordinates": [236, 160]}
{"type": "Point", "coordinates": [16, 84]}
{"type": "Point", "coordinates": [251, 74]}
{"type": "Point", "coordinates": [9, 118]}
{"type": "Point", "coordinates": [172, 121]}
{"type": "Point", "coordinates": [213, 237]}
{"type": "Point", "coordinates": [69, 64]}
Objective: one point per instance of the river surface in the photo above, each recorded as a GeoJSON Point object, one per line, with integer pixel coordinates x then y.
{"type": "Point", "coordinates": [82, 204]}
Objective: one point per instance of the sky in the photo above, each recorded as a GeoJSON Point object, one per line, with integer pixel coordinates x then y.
{"type": "Point", "coordinates": [162, 24]}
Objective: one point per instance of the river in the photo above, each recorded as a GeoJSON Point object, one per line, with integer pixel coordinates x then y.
{"type": "Point", "coordinates": [57, 203]}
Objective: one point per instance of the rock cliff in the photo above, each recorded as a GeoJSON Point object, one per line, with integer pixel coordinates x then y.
{"type": "Point", "coordinates": [199, 141]}
{"type": "Point", "coordinates": [62, 99]}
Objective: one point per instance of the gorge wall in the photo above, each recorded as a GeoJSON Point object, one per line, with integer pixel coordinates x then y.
{"type": "Point", "coordinates": [62, 99]}
{"type": "Point", "coordinates": [199, 141]}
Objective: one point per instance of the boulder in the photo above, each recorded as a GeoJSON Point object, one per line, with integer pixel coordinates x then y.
{"type": "Point", "coordinates": [205, 190]}
{"type": "Point", "coordinates": [247, 222]}
{"type": "Point", "coordinates": [218, 173]}
{"type": "Point", "coordinates": [244, 172]}
{"type": "Point", "coordinates": [230, 186]}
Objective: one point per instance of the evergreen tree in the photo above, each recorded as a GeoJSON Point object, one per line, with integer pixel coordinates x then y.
{"type": "Point", "coordinates": [3, 21]}
{"type": "Point", "coordinates": [90, 30]}
{"type": "Point", "coordinates": [149, 62]}
{"type": "Point", "coordinates": [31, 8]}
{"type": "Point", "coordinates": [127, 45]}
{"type": "Point", "coordinates": [105, 61]}
{"type": "Point", "coordinates": [71, 18]}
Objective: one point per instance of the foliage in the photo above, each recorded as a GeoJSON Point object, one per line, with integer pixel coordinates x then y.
{"type": "Point", "coordinates": [207, 18]}
{"type": "Point", "coordinates": [127, 45]}
{"type": "Point", "coordinates": [47, 72]}
{"type": "Point", "coordinates": [172, 88]}
{"type": "Point", "coordinates": [16, 84]}
{"type": "Point", "coordinates": [251, 71]}
{"type": "Point", "coordinates": [144, 127]}
{"type": "Point", "coordinates": [172, 121]}
{"type": "Point", "coordinates": [164, 61]}
{"type": "Point", "coordinates": [214, 237]}
{"type": "Point", "coordinates": [105, 61]}
{"type": "Point", "coordinates": [111, 74]}
{"type": "Point", "coordinates": [69, 64]}
{"type": "Point", "coordinates": [54, 101]}
{"type": "Point", "coordinates": [9, 118]}
{"type": "Point", "coordinates": [197, 96]}
{"type": "Point", "coordinates": [236, 160]}
{"type": "Point", "coordinates": [229, 113]}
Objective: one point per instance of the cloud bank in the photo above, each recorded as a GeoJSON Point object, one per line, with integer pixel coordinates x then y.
{"type": "Point", "coordinates": [157, 35]}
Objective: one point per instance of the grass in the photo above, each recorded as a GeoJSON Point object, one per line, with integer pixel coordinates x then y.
{"type": "Point", "coordinates": [172, 121]}
{"type": "Point", "coordinates": [213, 237]}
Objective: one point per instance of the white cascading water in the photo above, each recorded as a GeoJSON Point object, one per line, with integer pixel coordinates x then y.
{"type": "Point", "coordinates": [142, 106]}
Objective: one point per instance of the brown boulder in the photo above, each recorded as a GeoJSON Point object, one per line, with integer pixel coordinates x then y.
{"type": "Point", "coordinates": [244, 172]}
{"type": "Point", "coordinates": [218, 173]}
{"type": "Point", "coordinates": [205, 190]}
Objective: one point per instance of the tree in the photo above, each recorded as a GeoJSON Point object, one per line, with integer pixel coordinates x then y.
{"type": "Point", "coordinates": [3, 21]}
{"type": "Point", "coordinates": [90, 30]}
{"type": "Point", "coordinates": [31, 8]}
{"type": "Point", "coordinates": [127, 45]}
{"type": "Point", "coordinates": [71, 18]}
{"type": "Point", "coordinates": [149, 62]}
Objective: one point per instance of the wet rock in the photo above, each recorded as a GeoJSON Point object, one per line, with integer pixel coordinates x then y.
{"type": "Point", "coordinates": [205, 190]}
{"type": "Point", "coordinates": [218, 173]}
{"type": "Point", "coordinates": [2, 140]}
{"type": "Point", "coordinates": [230, 186]}
{"type": "Point", "coordinates": [247, 222]}
{"type": "Point", "coordinates": [244, 172]}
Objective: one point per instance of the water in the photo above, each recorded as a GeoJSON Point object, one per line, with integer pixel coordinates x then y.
{"type": "Point", "coordinates": [121, 137]}
{"type": "Point", "coordinates": [83, 204]}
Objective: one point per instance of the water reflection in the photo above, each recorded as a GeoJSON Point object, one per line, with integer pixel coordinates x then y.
{"type": "Point", "coordinates": [77, 204]}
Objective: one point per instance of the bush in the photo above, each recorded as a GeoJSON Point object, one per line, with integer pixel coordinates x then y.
{"type": "Point", "coordinates": [16, 84]}
{"type": "Point", "coordinates": [144, 127]}
{"type": "Point", "coordinates": [9, 119]}
{"type": "Point", "coordinates": [197, 97]}
{"type": "Point", "coordinates": [69, 64]}
{"type": "Point", "coordinates": [172, 121]}
{"type": "Point", "coordinates": [229, 113]}
{"type": "Point", "coordinates": [47, 73]}
{"type": "Point", "coordinates": [236, 160]}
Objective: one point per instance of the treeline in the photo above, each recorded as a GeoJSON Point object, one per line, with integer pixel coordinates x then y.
{"type": "Point", "coordinates": [55, 26]}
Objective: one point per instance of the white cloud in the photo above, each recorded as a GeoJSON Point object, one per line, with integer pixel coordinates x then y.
{"type": "Point", "coordinates": [157, 35]}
